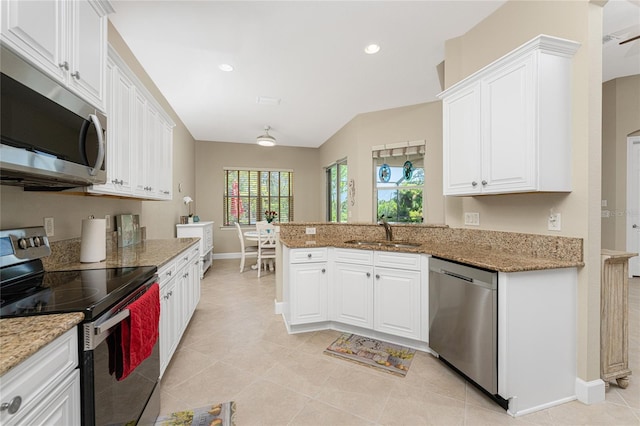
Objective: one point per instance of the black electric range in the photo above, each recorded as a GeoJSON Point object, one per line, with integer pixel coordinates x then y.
{"type": "Point", "coordinates": [27, 289]}
{"type": "Point", "coordinates": [104, 296]}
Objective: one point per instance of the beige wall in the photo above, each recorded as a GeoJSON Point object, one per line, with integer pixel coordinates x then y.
{"type": "Point", "coordinates": [19, 208]}
{"type": "Point", "coordinates": [354, 142]}
{"type": "Point", "coordinates": [212, 157]}
{"type": "Point", "coordinates": [620, 118]}
{"type": "Point", "coordinates": [513, 24]}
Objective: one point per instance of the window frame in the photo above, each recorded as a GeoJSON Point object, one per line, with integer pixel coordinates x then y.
{"type": "Point", "coordinates": [384, 186]}
{"type": "Point", "coordinates": [339, 204]}
{"type": "Point", "coordinates": [252, 217]}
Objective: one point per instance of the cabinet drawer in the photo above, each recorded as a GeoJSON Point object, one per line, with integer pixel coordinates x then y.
{"type": "Point", "coordinates": [166, 272]}
{"type": "Point", "coordinates": [361, 257]}
{"type": "Point", "coordinates": [308, 255]}
{"type": "Point", "coordinates": [39, 374]}
{"type": "Point", "coordinates": [182, 259]}
{"type": "Point", "coordinates": [397, 260]}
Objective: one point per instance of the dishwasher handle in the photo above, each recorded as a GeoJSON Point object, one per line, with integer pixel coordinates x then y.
{"type": "Point", "coordinates": [462, 277]}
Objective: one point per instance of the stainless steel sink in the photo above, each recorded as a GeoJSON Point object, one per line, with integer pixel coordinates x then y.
{"type": "Point", "coordinates": [398, 244]}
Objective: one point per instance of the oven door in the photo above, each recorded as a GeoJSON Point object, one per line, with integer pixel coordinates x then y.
{"type": "Point", "coordinates": [105, 400]}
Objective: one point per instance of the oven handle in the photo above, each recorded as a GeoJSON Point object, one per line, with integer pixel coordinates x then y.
{"type": "Point", "coordinates": [97, 331]}
{"type": "Point", "coordinates": [114, 320]}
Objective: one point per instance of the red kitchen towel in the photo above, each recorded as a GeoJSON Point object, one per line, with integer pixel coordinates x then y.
{"type": "Point", "coordinates": [139, 332]}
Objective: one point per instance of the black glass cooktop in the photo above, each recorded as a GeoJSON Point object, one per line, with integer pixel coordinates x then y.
{"type": "Point", "coordinates": [89, 291]}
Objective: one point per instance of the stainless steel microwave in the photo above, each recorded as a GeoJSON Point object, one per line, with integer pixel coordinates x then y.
{"type": "Point", "coordinates": [51, 139]}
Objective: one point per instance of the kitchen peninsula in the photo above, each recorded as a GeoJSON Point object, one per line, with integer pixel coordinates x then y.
{"type": "Point", "coordinates": [330, 280]}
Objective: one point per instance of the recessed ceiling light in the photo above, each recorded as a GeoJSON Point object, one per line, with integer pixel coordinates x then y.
{"type": "Point", "coordinates": [372, 49]}
{"type": "Point", "coordinates": [226, 67]}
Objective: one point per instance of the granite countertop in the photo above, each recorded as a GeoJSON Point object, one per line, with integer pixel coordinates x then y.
{"type": "Point", "coordinates": [22, 337]}
{"type": "Point", "coordinates": [146, 253]}
{"type": "Point", "coordinates": [470, 254]}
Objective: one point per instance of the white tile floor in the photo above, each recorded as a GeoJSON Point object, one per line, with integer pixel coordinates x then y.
{"type": "Point", "coordinates": [235, 348]}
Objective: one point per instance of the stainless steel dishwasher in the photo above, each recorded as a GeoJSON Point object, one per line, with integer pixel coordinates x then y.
{"type": "Point", "coordinates": [463, 321]}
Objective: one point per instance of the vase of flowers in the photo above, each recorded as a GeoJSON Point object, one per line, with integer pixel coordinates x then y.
{"type": "Point", "coordinates": [270, 215]}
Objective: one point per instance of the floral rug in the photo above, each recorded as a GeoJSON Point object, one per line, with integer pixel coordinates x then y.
{"type": "Point", "coordinates": [385, 356]}
{"type": "Point", "coordinates": [211, 415]}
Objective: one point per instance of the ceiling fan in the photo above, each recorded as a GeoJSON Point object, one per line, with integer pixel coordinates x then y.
{"type": "Point", "coordinates": [630, 39]}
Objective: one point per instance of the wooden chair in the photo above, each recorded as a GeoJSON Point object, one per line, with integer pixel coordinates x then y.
{"type": "Point", "coordinates": [266, 243]}
{"type": "Point", "coordinates": [245, 251]}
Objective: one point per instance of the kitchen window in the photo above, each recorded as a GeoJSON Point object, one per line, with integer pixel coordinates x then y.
{"type": "Point", "coordinates": [399, 182]}
{"type": "Point", "coordinates": [337, 192]}
{"type": "Point", "coordinates": [248, 193]}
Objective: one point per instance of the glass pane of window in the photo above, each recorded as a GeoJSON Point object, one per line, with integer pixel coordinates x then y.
{"type": "Point", "coordinates": [249, 193]}
{"type": "Point", "coordinates": [400, 199]}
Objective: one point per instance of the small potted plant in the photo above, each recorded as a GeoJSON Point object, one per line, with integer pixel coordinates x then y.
{"type": "Point", "coordinates": [270, 215]}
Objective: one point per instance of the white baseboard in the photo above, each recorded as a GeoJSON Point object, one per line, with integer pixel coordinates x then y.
{"type": "Point", "coordinates": [590, 392]}
{"type": "Point", "coordinates": [226, 255]}
{"type": "Point", "coordinates": [277, 306]}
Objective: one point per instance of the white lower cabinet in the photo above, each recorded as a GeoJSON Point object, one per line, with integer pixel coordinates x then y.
{"type": "Point", "coordinates": [352, 294]}
{"type": "Point", "coordinates": [305, 292]}
{"type": "Point", "coordinates": [378, 290]}
{"type": "Point", "coordinates": [309, 292]}
{"type": "Point", "coordinates": [179, 281]}
{"type": "Point", "coordinates": [47, 385]}
{"type": "Point", "coordinates": [396, 302]}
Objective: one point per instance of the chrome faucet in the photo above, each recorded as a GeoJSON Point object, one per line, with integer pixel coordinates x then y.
{"type": "Point", "coordinates": [387, 229]}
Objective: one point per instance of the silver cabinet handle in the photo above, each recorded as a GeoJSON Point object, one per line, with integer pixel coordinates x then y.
{"type": "Point", "coordinates": [76, 75]}
{"type": "Point", "coordinates": [368, 274]}
{"type": "Point", "coordinates": [13, 406]}
{"type": "Point", "coordinates": [309, 255]}
{"type": "Point", "coordinates": [64, 65]}
{"type": "Point", "coordinates": [484, 183]}
{"type": "Point", "coordinates": [474, 183]}
{"type": "Point", "coordinates": [634, 226]}
{"type": "Point", "coordinates": [377, 276]}
{"type": "Point", "coordinates": [323, 270]}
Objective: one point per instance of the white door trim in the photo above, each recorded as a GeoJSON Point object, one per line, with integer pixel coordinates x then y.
{"type": "Point", "coordinates": [633, 203]}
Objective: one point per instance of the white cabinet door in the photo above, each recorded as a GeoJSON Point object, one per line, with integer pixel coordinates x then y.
{"type": "Point", "coordinates": [165, 161]}
{"type": "Point", "coordinates": [67, 40]}
{"type": "Point", "coordinates": [35, 30]}
{"type": "Point", "coordinates": [308, 292]}
{"type": "Point", "coordinates": [169, 322]}
{"type": "Point", "coordinates": [352, 294]}
{"type": "Point", "coordinates": [121, 143]}
{"type": "Point", "coordinates": [397, 302]}
{"type": "Point", "coordinates": [461, 152]}
{"type": "Point", "coordinates": [61, 407]}
{"type": "Point", "coordinates": [140, 153]}
{"type": "Point", "coordinates": [87, 51]}
{"type": "Point", "coordinates": [508, 144]}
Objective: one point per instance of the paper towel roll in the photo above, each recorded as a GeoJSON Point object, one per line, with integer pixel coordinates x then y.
{"type": "Point", "coordinates": [93, 240]}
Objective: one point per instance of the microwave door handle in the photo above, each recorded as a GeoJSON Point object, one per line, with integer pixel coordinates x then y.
{"type": "Point", "coordinates": [100, 156]}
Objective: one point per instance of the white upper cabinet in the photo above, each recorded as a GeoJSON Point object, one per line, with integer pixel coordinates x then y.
{"type": "Point", "coordinates": [139, 138]}
{"type": "Point", "coordinates": [67, 40]}
{"type": "Point", "coordinates": [507, 128]}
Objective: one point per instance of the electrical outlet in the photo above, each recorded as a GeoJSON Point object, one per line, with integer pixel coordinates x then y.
{"type": "Point", "coordinates": [603, 203]}
{"type": "Point", "coordinates": [310, 231]}
{"type": "Point", "coordinates": [555, 222]}
{"type": "Point", "coordinates": [107, 219]}
{"type": "Point", "coordinates": [472, 218]}
{"type": "Point", "coordinates": [48, 226]}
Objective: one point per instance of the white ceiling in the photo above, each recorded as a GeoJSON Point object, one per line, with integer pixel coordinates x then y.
{"type": "Point", "coordinates": [309, 54]}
